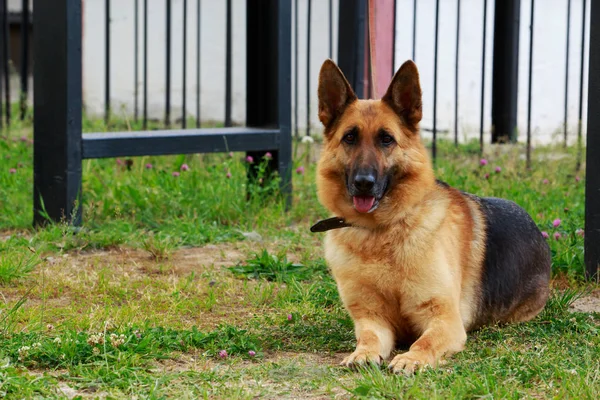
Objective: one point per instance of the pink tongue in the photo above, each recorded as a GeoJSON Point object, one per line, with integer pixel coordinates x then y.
{"type": "Point", "coordinates": [363, 203]}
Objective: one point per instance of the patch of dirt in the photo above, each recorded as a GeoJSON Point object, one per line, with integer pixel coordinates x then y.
{"type": "Point", "coordinates": [587, 304]}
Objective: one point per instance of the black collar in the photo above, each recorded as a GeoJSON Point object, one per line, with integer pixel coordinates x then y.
{"type": "Point", "coordinates": [328, 224]}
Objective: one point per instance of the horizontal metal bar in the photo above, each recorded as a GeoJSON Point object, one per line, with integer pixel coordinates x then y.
{"type": "Point", "coordinates": [165, 142]}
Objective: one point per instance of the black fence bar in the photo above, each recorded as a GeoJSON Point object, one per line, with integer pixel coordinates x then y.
{"type": "Point", "coordinates": [414, 32]}
{"type": "Point", "coordinates": [168, 67]}
{"type": "Point", "coordinates": [57, 110]}
{"type": "Point", "coordinates": [566, 129]}
{"type": "Point", "coordinates": [331, 29]}
{"type": "Point", "coordinates": [284, 97]}
{"type": "Point", "coordinates": [296, 130]}
{"type": "Point", "coordinates": [106, 61]}
{"type": "Point", "coordinates": [136, 66]}
{"type": "Point", "coordinates": [145, 73]}
{"type": "Point", "coordinates": [592, 181]}
{"type": "Point", "coordinates": [308, 28]}
{"type": "Point", "coordinates": [172, 141]}
{"type": "Point", "coordinates": [580, 119]}
{"type": "Point", "coordinates": [228, 66]}
{"type": "Point", "coordinates": [505, 77]}
{"type": "Point", "coordinates": [528, 162]}
{"type": "Point", "coordinates": [2, 21]}
{"type": "Point", "coordinates": [24, 56]}
{"type": "Point", "coordinates": [184, 72]}
{"type": "Point", "coordinates": [351, 43]}
{"type": "Point", "coordinates": [435, 65]}
{"type": "Point", "coordinates": [6, 61]}
{"type": "Point", "coordinates": [198, 48]}
{"type": "Point", "coordinates": [456, 73]}
{"type": "Point", "coordinates": [268, 80]}
{"type": "Point", "coordinates": [483, 54]}
{"type": "Point", "coordinates": [394, 40]}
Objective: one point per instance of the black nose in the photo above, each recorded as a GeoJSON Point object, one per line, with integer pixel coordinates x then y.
{"type": "Point", "coordinates": [364, 182]}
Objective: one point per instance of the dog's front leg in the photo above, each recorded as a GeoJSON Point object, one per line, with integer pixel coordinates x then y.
{"type": "Point", "coordinates": [443, 334]}
{"type": "Point", "coordinates": [375, 341]}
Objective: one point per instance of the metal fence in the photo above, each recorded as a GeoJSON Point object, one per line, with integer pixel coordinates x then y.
{"type": "Point", "coordinates": [276, 63]}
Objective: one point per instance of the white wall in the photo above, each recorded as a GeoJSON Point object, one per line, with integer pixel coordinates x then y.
{"type": "Point", "coordinates": [548, 67]}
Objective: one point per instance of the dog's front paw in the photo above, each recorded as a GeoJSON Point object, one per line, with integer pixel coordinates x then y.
{"type": "Point", "coordinates": [362, 357]}
{"type": "Point", "coordinates": [410, 362]}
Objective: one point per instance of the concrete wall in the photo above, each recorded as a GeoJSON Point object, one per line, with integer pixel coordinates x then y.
{"type": "Point", "coordinates": [548, 67]}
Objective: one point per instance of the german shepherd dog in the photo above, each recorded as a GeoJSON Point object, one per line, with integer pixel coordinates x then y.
{"type": "Point", "coordinates": [416, 261]}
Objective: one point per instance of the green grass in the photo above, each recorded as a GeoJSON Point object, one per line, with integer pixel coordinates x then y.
{"type": "Point", "coordinates": [186, 287]}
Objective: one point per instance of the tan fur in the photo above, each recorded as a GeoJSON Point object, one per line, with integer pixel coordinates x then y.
{"type": "Point", "coordinates": [409, 271]}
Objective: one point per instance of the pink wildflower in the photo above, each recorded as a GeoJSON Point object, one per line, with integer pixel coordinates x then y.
{"type": "Point", "coordinates": [148, 166]}
{"type": "Point", "coordinates": [498, 169]}
{"type": "Point", "coordinates": [545, 181]}
{"type": "Point", "coordinates": [483, 162]}
{"type": "Point", "coordinates": [231, 154]}
{"type": "Point", "coordinates": [249, 159]}
{"type": "Point", "coordinates": [223, 354]}
{"type": "Point", "coordinates": [556, 222]}
{"type": "Point", "coordinates": [175, 174]}
{"type": "Point", "coordinates": [268, 155]}
{"type": "Point", "coordinates": [580, 232]}
{"type": "Point", "coordinates": [290, 317]}
{"type": "Point", "coordinates": [119, 161]}
{"type": "Point", "coordinates": [577, 179]}
{"type": "Point", "coordinates": [300, 170]}
{"type": "Point", "coordinates": [557, 235]}
{"type": "Point", "coordinates": [185, 167]}
{"type": "Point", "coordinates": [487, 176]}
{"type": "Point", "coordinates": [228, 176]}
{"type": "Point", "coordinates": [12, 171]}
{"type": "Point", "coordinates": [251, 353]}
{"type": "Point", "coordinates": [545, 235]}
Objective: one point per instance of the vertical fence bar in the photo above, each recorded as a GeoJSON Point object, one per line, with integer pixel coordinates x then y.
{"type": "Point", "coordinates": [394, 39]}
{"type": "Point", "coordinates": [6, 61]}
{"type": "Point", "coordinates": [331, 29]}
{"type": "Point", "coordinates": [565, 126]}
{"type": "Point", "coordinates": [592, 181]}
{"type": "Point", "coordinates": [168, 68]}
{"type": "Point", "coordinates": [284, 97]}
{"type": "Point", "coordinates": [308, 28]}
{"type": "Point", "coordinates": [228, 67]}
{"type": "Point", "coordinates": [505, 74]}
{"type": "Point", "coordinates": [414, 32]}
{"type": "Point", "coordinates": [184, 72]}
{"type": "Point", "coordinates": [352, 36]}
{"type": "Point", "coordinates": [106, 61]}
{"type": "Point", "coordinates": [580, 120]}
{"type": "Point", "coordinates": [296, 130]}
{"type": "Point", "coordinates": [2, 70]}
{"type": "Point", "coordinates": [57, 111]}
{"type": "Point", "coordinates": [481, 115]}
{"type": "Point", "coordinates": [24, 56]}
{"type": "Point", "coordinates": [528, 163]}
{"type": "Point", "coordinates": [145, 88]}
{"type": "Point", "coordinates": [136, 59]}
{"type": "Point", "coordinates": [435, 65]}
{"type": "Point", "coordinates": [198, 47]}
{"type": "Point", "coordinates": [456, 74]}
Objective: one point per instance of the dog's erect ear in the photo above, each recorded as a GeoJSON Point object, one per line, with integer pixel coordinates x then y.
{"type": "Point", "coordinates": [335, 93]}
{"type": "Point", "coordinates": [404, 94]}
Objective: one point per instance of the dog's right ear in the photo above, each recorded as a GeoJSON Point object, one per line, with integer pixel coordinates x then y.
{"type": "Point", "coordinates": [335, 93]}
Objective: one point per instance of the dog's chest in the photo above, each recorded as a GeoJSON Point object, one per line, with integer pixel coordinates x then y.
{"type": "Point", "coordinates": [389, 266]}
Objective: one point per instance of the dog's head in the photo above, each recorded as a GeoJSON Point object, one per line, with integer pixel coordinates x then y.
{"type": "Point", "coordinates": [373, 161]}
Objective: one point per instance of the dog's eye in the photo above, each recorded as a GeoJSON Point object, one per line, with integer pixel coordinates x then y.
{"type": "Point", "coordinates": [350, 137]}
{"type": "Point", "coordinates": [387, 139]}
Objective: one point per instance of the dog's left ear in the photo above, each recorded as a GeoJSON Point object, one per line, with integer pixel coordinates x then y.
{"type": "Point", "coordinates": [404, 95]}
